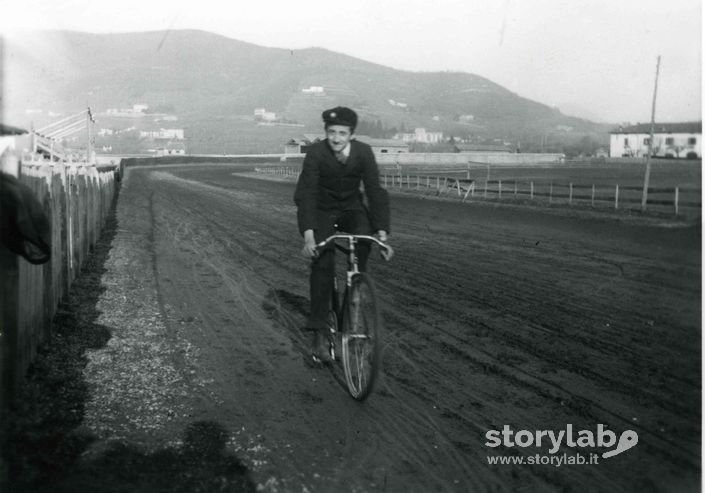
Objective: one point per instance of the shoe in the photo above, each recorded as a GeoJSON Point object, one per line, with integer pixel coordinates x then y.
{"type": "Point", "coordinates": [320, 350]}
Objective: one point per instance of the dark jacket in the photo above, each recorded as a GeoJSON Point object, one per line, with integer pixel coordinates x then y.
{"type": "Point", "coordinates": [327, 185]}
{"type": "Point", "coordinates": [24, 226]}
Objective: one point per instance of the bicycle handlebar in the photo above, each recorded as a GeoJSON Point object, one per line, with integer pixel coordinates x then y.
{"type": "Point", "coordinates": [350, 238]}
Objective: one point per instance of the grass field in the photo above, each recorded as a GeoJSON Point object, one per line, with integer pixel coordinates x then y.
{"type": "Point", "coordinates": [605, 185]}
{"type": "Point", "coordinates": [664, 172]}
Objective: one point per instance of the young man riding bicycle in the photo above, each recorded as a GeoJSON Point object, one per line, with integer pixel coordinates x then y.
{"type": "Point", "coordinates": [328, 194]}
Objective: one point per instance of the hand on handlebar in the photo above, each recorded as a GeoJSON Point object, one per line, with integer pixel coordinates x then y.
{"type": "Point", "coordinates": [309, 250]}
{"type": "Point", "coordinates": [387, 252]}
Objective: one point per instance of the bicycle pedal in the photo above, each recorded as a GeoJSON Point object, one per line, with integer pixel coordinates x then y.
{"type": "Point", "coordinates": [316, 362]}
{"type": "Point", "coordinates": [321, 360]}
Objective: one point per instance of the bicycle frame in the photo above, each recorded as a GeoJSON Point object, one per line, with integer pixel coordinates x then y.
{"type": "Point", "coordinates": [359, 372]}
{"type": "Point", "coordinates": [351, 253]}
{"type": "Point", "coordinates": [352, 240]}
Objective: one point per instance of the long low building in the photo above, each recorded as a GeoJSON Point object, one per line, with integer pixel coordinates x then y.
{"type": "Point", "coordinates": [396, 153]}
{"type": "Point", "coordinates": [470, 158]}
{"type": "Point", "coordinates": [379, 146]}
{"type": "Point", "coordinates": [671, 140]}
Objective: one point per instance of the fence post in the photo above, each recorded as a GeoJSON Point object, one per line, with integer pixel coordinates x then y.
{"type": "Point", "coordinates": [499, 189]}
{"type": "Point", "coordinates": [457, 182]}
{"type": "Point", "coordinates": [470, 187]}
{"type": "Point", "coordinates": [385, 181]}
{"type": "Point", "coordinates": [592, 198]}
{"type": "Point", "coordinates": [675, 201]}
{"type": "Point", "coordinates": [532, 190]}
{"type": "Point", "coordinates": [438, 183]}
{"type": "Point", "coordinates": [570, 195]}
{"type": "Point", "coordinates": [408, 181]}
{"type": "Point", "coordinates": [616, 196]}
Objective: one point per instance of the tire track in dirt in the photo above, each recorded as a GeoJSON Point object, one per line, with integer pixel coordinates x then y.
{"type": "Point", "coordinates": [491, 319]}
{"type": "Point", "coordinates": [248, 220]}
{"type": "Point", "coordinates": [585, 373]}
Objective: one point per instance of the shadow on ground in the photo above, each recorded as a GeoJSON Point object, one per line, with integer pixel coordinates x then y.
{"type": "Point", "coordinates": [43, 447]}
{"type": "Point", "coordinates": [288, 310]}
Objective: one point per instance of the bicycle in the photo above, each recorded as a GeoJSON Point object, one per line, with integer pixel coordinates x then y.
{"type": "Point", "coordinates": [354, 319]}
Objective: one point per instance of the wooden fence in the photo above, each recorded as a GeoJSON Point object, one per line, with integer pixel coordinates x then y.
{"type": "Point", "coordinates": [283, 171]}
{"type": "Point", "coordinates": [676, 200]}
{"type": "Point", "coordinates": [77, 199]}
{"type": "Point", "coordinates": [668, 200]}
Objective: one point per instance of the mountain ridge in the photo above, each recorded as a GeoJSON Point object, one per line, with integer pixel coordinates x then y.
{"type": "Point", "coordinates": [207, 77]}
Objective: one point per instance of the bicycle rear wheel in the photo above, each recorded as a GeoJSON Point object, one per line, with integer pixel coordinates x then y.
{"type": "Point", "coordinates": [360, 337]}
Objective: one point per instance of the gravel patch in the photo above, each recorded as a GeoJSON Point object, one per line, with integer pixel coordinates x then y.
{"type": "Point", "coordinates": [106, 404]}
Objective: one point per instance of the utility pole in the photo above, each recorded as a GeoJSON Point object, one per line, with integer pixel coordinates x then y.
{"type": "Point", "coordinates": [647, 174]}
{"type": "Point", "coordinates": [89, 145]}
{"type": "Point", "coordinates": [33, 141]}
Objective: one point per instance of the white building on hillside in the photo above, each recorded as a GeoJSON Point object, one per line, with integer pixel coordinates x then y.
{"type": "Point", "coordinates": [172, 149]}
{"type": "Point", "coordinates": [671, 140]}
{"type": "Point", "coordinates": [384, 146]}
{"type": "Point", "coordinates": [398, 103]}
{"type": "Point", "coordinates": [421, 135]}
{"type": "Point", "coordinates": [263, 115]}
{"type": "Point", "coordinates": [318, 90]}
{"type": "Point", "coordinates": [136, 110]}
{"type": "Point", "coordinates": [163, 133]}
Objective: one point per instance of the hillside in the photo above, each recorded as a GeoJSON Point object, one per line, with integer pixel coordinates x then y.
{"type": "Point", "coordinates": [213, 84]}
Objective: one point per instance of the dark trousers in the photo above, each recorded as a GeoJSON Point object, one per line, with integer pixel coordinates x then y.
{"type": "Point", "coordinates": [323, 266]}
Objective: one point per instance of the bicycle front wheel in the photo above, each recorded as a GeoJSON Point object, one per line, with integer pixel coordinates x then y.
{"type": "Point", "coordinates": [360, 337]}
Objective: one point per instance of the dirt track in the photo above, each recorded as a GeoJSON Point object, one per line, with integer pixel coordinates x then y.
{"type": "Point", "coordinates": [494, 316]}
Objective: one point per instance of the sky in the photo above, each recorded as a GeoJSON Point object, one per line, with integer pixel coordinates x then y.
{"type": "Point", "coordinates": [591, 58]}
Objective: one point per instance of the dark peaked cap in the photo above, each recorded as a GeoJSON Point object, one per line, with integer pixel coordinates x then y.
{"type": "Point", "coordinates": [340, 115]}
